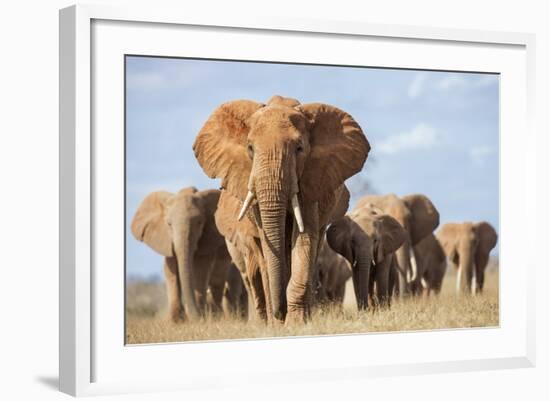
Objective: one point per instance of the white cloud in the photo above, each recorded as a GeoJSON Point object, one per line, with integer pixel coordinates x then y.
{"type": "Point", "coordinates": [478, 154]}
{"type": "Point", "coordinates": [422, 136]}
{"type": "Point", "coordinates": [417, 85]}
{"type": "Point", "coordinates": [421, 85]}
{"type": "Point", "coordinates": [451, 82]}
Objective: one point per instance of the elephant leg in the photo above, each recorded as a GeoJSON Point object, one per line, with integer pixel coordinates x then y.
{"type": "Point", "coordinates": [464, 278]}
{"type": "Point", "coordinates": [421, 263]}
{"type": "Point", "coordinates": [251, 278]}
{"type": "Point", "coordinates": [218, 278]}
{"type": "Point", "coordinates": [437, 277]}
{"type": "Point", "coordinates": [403, 287]}
{"type": "Point", "coordinates": [252, 302]}
{"type": "Point", "coordinates": [393, 280]}
{"type": "Point", "coordinates": [480, 280]}
{"type": "Point", "coordinates": [299, 292]}
{"type": "Point", "coordinates": [481, 261]}
{"type": "Point", "coordinates": [258, 281]}
{"type": "Point", "coordinates": [238, 259]}
{"type": "Point", "coordinates": [416, 286]}
{"type": "Point", "coordinates": [202, 268]}
{"type": "Point", "coordinates": [243, 309]}
{"type": "Point", "coordinates": [371, 287]}
{"type": "Point", "coordinates": [233, 291]}
{"type": "Point", "coordinates": [173, 289]}
{"type": "Point", "coordinates": [216, 290]}
{"type": "Point", "coordinates": [260, 284]}
{"type": "Point", "coordinates": [340, 294]}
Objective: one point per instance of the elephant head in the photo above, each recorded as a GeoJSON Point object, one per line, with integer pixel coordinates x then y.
{"type": "Point", "coordinates": [278, 158]}
{"type": "Point", "coordinates": [365, 237]}
{"type": "Point", "coordinates": [467, 245]}
{"type": "Point", "coordinates": [174, 225]}
{"type": "Point", "coordinates": [419, 217]}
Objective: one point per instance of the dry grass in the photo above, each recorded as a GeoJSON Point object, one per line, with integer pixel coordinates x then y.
{"type": "Point", "coordinates": [147, 323]}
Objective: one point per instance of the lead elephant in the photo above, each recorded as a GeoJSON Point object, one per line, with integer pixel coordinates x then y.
{"type": "Point", "coordinates": [368, 237]}
{"type": "Point", "coordinates": [282, 167]}
{"type": "Point", "coordinates": [418, 216]}
{"type": "Point", "coordinates": [333, 272]}
{"type": "Point", "coordinates": [431, 262]}
{"type": "Point", "coordinates": [181, 228]}
{"type": "Point", "coordinates": [467, 246]}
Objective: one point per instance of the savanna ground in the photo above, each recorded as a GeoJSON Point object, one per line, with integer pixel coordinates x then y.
{"type": "Point", "coordinates": [146, 316]}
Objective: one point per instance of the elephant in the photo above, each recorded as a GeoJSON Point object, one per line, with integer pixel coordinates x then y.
{"type": "Point", "coordinates": [419, 217]}
{"type": "Point", "coordinates": [467, 246]}
{"type": "Point", "coordinates": [273, 159]}
{"type": "Point", "coordinates": [333, 272]}
{"type": "Point", "coordinates": [181, 227]}
{"type": "Point", "coordinates": [235, 294]}
{"type": "Point", "coordinates": [431, 263]}
{"type": "Point", "coordinates": [227, 281]}
{"type": "Point", "coordinates": [367, 236]}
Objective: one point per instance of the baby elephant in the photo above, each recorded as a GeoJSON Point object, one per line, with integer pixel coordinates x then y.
{"type": "Point", "coordinates": [333, 272]}
{"type": "Point", "coordinates": [367, 237]}
{"type": "Point", "coordinates": [181, 228]}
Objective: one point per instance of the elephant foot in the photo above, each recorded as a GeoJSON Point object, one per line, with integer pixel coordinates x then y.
{"type": "Point", "coordinates": [296, 316]}
{"type": "Point", "coordinates": [176, 316]}
{"type": "Point", "coordinates": [276, 323]}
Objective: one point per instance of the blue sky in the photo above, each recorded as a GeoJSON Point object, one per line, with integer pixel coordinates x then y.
{"type": "Point", "coordinates": [431, 132]}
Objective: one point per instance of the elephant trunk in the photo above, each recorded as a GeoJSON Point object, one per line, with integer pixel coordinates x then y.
{"type": "Point", "coordinates": [273, 216]}
{"type": "Point", "coordinates": [361, 271]}
{"type": "Point", "coordinates": [184, 249]}
{"type": "Point", "coordinates": [465, 268]}
{"type": "Point", "coordinates": [272, 185]}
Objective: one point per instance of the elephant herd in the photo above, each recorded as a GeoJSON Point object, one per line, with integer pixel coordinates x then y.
{"type": "Point", "coordinates": [277, 240]}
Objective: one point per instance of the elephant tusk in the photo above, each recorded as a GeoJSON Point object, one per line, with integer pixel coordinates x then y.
{"type": "Point", "coordinates": [297, 213]}
{"type": "Point", "coordinates": [414, 267]}
{"type": "Point", "coordinates": [246, 205]}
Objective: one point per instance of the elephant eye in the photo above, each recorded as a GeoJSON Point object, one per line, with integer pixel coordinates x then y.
{"type": "Point", "coordinates": [250, 150]}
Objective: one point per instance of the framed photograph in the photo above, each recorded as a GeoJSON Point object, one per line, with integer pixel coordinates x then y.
{"type": "Point", "coordinates": [249, 200]}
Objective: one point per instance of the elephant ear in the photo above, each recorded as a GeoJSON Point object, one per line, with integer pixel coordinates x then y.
{"type": "Point", "coordinates": [220, 146]}
{"type": "Point", "coordinates": [424, 216]}
{"type": "Point", "coordinates": [342, 203]}
{"type": "Point", "coordinates": [487, 237]}
{"type": "Point", "coordinates": [334, 205]}
{"type": "Point", "coordinates": [149, 223]}
{"type": "Point", "coordinates": [339, 237]}
{"type": "Point", "coordinates": [338, 150]}
{"type": "Point", "coordinates": [227, 225]}
{"type": "Point", "coordinates": [391, 236]}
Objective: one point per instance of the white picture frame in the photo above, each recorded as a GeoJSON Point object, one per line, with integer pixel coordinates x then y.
{"type": "Point", "coordinates": [92, 38]}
